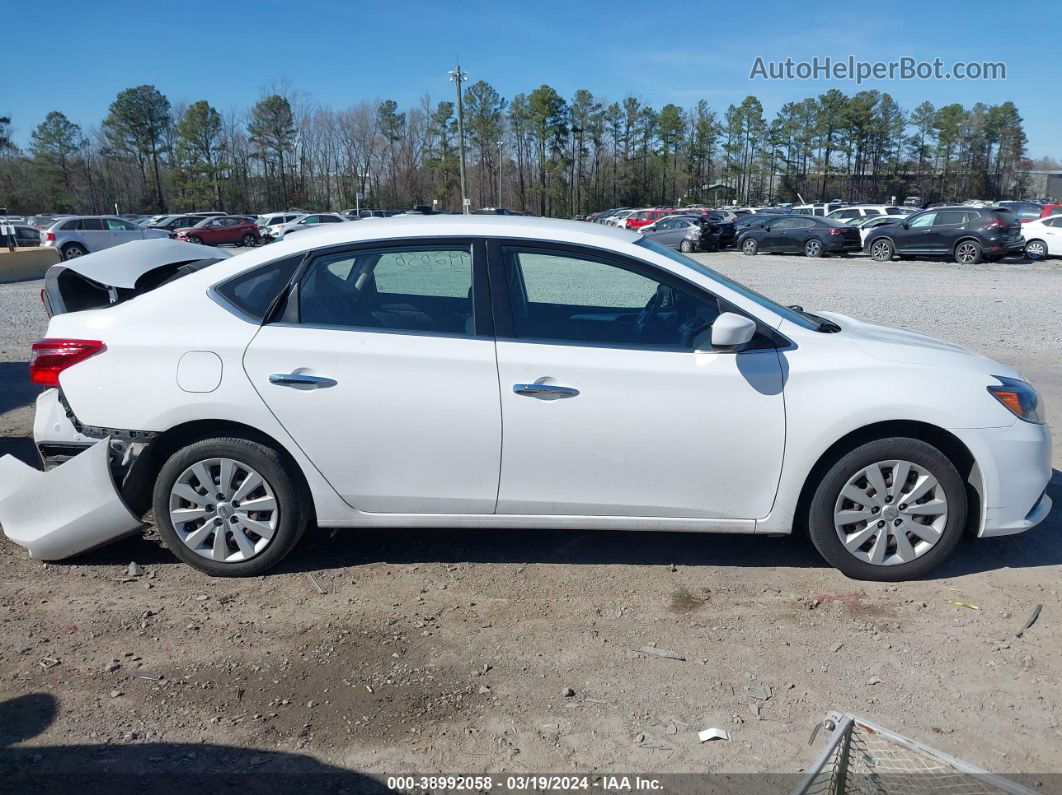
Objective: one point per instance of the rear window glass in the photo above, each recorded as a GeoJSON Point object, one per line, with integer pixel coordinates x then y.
{"type": "Point", "coordinates": [253, 292]}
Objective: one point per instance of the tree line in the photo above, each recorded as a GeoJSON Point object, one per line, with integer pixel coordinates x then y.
{"type": "Point", "coordinates": [538, 152]}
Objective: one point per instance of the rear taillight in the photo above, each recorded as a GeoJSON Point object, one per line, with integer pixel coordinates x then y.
{"type": "Point", "coordinates": [835, 231]}
{"type": "Point", "coordinates": [995, 224]}
{"type": "Point", "coordinates": [49, 237]}
{"type": "Point", "coordinates": [51, 356]}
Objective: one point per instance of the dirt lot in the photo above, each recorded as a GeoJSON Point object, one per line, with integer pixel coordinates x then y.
{"type": "Point", "coordinates": [466, 651]}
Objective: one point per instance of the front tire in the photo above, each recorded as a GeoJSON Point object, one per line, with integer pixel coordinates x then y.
{"type": "Point", "coordinates": [195, 239]}
{"type": "Point", "coordinates": [749, 247]}
{"type": "Point", "coordinates": [229, 507]}
{"type": "Point", "coordinates": [1036, 250]}
{"type": "Point", "coordinates": [882, 250]}
{"type": "Point", "coordinates": [686, 247]}
{"type": "Point", "coordinates": [890, 510]}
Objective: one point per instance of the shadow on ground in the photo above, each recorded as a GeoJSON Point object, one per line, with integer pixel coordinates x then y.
{"type": "Point", "coordinates": [16, 390]}
{"type": "Point", "coordinates": [153, 767]}
{"type": "Point", "coordinates": [327, 549]}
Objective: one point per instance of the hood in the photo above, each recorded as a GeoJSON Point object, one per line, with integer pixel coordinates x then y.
{"type": "Point", "coordinates": [891, 344]}
{"type": "Point", "coordinates": [122, 272]}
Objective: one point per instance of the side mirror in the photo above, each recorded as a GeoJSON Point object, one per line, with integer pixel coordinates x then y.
{"type": "Point", "coordinates": [905, 225]}
{"type": "Point", "coordinates": [731, 330]}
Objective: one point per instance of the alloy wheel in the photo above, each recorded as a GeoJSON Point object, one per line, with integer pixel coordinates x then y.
{"type": "Point", "coordinates": [890, 513]}
{"type": "Point", "coordinates": [223, 510]}
{"type": "Point", "coordinates": [966, 253]}
{"type": "Point", "coordinates": [881, 251]}
{"type": "Point", "coordinates": [748, 247]}
{"type": "Point", "coordinates": [813, 248]}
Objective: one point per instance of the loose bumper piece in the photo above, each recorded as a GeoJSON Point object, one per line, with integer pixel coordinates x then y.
{"type": "Point", "coordinates": [65, 511]}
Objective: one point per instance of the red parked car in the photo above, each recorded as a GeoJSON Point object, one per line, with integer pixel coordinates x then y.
{"type": "Point", "coordinates": [221, 229]}
{"type": "Point", "coordinates": [1051, 209]}
{"type": "Point", "coordinates": [646, 217]}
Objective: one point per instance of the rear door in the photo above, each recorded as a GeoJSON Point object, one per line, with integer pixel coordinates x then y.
{"type": "Point", "coordinates": [383, 369]}
{"type": "Point", "coordinates": [122, 231]}
{"type": "Point", "coordinates": [797, 231]}
{"type": "Point", "coordinates": [94, 234]}
{"type": "Point", "coordinates": [947, 228]}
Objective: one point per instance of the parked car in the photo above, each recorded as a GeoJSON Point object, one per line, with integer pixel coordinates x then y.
{"type": "Point", "coordinates": [304, 222]}
{"type": "Point", "coordinates": [1026, 211]}
{"type": "Point", "coordinates": [687, 233]}
{"type": "Point", "coordinates": [849, 214]}
{"type": "Point", "coordinates": [44, 220]}
{"type": "Point", "coordinates": [171, 223]}
{"type": "Point", "coordinates": [865, 225]}
{"type": "Point", "coordinates": [966, 234]}
{"type": "Point", "coordinates": [25, 236]}
{"type": "Point", "coordinates": [218, 229]}
{"type": "Point", "coordinates": [80, 235]}
{"type": "Point", "coordinates": [298, 395]}
{"type": "Point", "coordinates": [619, 218]}
{"type": "Point", "coordinates": [810, 235]}
{"type": "Point", "coordinates": [642, 218]}
{"type": "Point", "coordinates": [368, 212]}
{"type": "Point", "coordinates": [267, 223]}
{"type": "Point", "coordinates": [914, 201]}
{"type": "Point", "coordinates": [1043, 237]}
{"type": "Point", "coordinates": [816, 209]}
{"type": "Point", "coordinates": [1051, 209]}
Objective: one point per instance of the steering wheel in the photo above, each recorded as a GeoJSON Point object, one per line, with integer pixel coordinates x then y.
{"type": "Point", "coordinates": [646, 316]}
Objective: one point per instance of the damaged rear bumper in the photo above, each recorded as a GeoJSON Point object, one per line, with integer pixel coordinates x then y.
{"type": "Point", "coordinates": [67, 510]}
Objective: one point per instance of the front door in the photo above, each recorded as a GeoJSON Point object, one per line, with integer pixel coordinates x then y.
{"type": "Point", "coordinates": [613, 402]}
{"type": "Point", "coordinates": [383, 370]}
{"type": "Point", "coordinates": [919, 235]}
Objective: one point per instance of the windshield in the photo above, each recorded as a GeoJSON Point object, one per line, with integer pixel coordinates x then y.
{"type": "Point", "coordinates": [789, 314]}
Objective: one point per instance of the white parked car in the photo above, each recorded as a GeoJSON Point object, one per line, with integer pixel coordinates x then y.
{"type": "Point", "coordinates": [858, 212]}
{"type": "Point", "coordinates": [620, 218]}
{"type": "Point", "coordinates": [361, 376]}
{"type": "Point", "coordinates": [79, 235]}
{"type": "Point", "coordinates": [1043, 237]}
{"type": "Point", "coordinates": [868, 223]}
{"type": "Point", "coordinates": [303, 222]}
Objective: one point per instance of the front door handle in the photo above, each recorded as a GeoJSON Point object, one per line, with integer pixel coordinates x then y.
{"type": "Point", "coordinates": [546, 391]}
{"type": "Point", "coordinates": [301, 380]}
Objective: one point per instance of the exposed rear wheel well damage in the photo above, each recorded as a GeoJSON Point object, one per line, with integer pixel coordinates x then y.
{"type": "Point", "coordinates": [140, 481]}
{"type": "Point", "coordinates": [949, 444]}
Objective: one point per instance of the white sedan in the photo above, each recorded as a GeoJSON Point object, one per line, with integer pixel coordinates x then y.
{"type": "Point", "coordinates": [1043, 237]}
{"type": "Point", "coordinates": [362, 376]}
{"type": "Point", "coordinates": [303, 222]}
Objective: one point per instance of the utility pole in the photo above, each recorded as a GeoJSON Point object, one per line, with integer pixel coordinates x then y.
{"type": "Point", "coordinates": [458, 77]}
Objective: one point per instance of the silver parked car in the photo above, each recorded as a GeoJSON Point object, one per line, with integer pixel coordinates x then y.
{"type": "Point", "coordinates": [84, 234]}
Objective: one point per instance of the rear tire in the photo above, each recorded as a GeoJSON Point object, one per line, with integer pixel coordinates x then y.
{"type": "Point", "coordinates": [248, 241]}
{"type": "Point", "coordinates": [813, 248]}
{"type": "Point", "coordinates": [937, 515]}
{"type": "Point", "coordinates": [73, 251]}
{"type": "Point", "coordinates": [968, 252]}
{"type": "Point", "coordinates": [261, 523]}
{"type": "Point", "coordinates": [749, 247]}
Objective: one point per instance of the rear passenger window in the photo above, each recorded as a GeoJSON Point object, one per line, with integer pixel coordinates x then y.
{"type": "Point", "coordinates": [426, 289]}
{"type": "Point", "coordinates": [253, 292]}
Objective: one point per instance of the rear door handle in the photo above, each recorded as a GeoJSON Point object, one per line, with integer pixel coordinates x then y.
{"type": "Point", "coordinates": [547, 391]}
{"type": "Point", "coordinates": [301, 380]}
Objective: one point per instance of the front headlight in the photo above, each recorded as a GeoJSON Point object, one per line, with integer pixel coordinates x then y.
{"type": "Point", "coordinates": [1018, 396]}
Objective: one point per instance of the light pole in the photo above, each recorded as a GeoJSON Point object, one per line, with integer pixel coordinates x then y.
{"type": "Point", "coordinates": [458, 77]}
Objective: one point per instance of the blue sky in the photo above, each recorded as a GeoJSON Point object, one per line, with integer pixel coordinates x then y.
{"type": "Point", "coordinates": [77, 56]}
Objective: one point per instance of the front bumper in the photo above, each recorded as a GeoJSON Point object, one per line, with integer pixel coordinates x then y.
{"type": "Point", "coordinates": [1014, 464]}
{"type": "Point", "coordinates": [68, 510]}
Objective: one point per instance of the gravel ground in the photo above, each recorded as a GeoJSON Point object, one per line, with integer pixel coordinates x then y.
{"type": "Point", "coordinates": [442, 651]}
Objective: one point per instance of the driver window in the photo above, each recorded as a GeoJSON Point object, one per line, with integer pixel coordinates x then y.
{"type": "Point", "coordinates": [925, 219]}
{"type": "Point", "coordinates": [568, 298]}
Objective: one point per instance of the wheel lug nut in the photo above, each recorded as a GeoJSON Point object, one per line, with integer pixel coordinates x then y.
{"type": "Point", "coordinates": [234, 519]}
{"type": "Point", "coordinates": [898, 522]}
{"type": "Point", "coordinates": [888, 500]}
{"type": "Point", "coordinates": [218, 520]}
{"type": "Point", "coordinates": [210, 508]}
{"type": "Point", "coordinates": [875, 509]}
{"type": "Point", "coordinates": [903, 506]}
{"type": "Point", "coordinates": [881, 524]}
